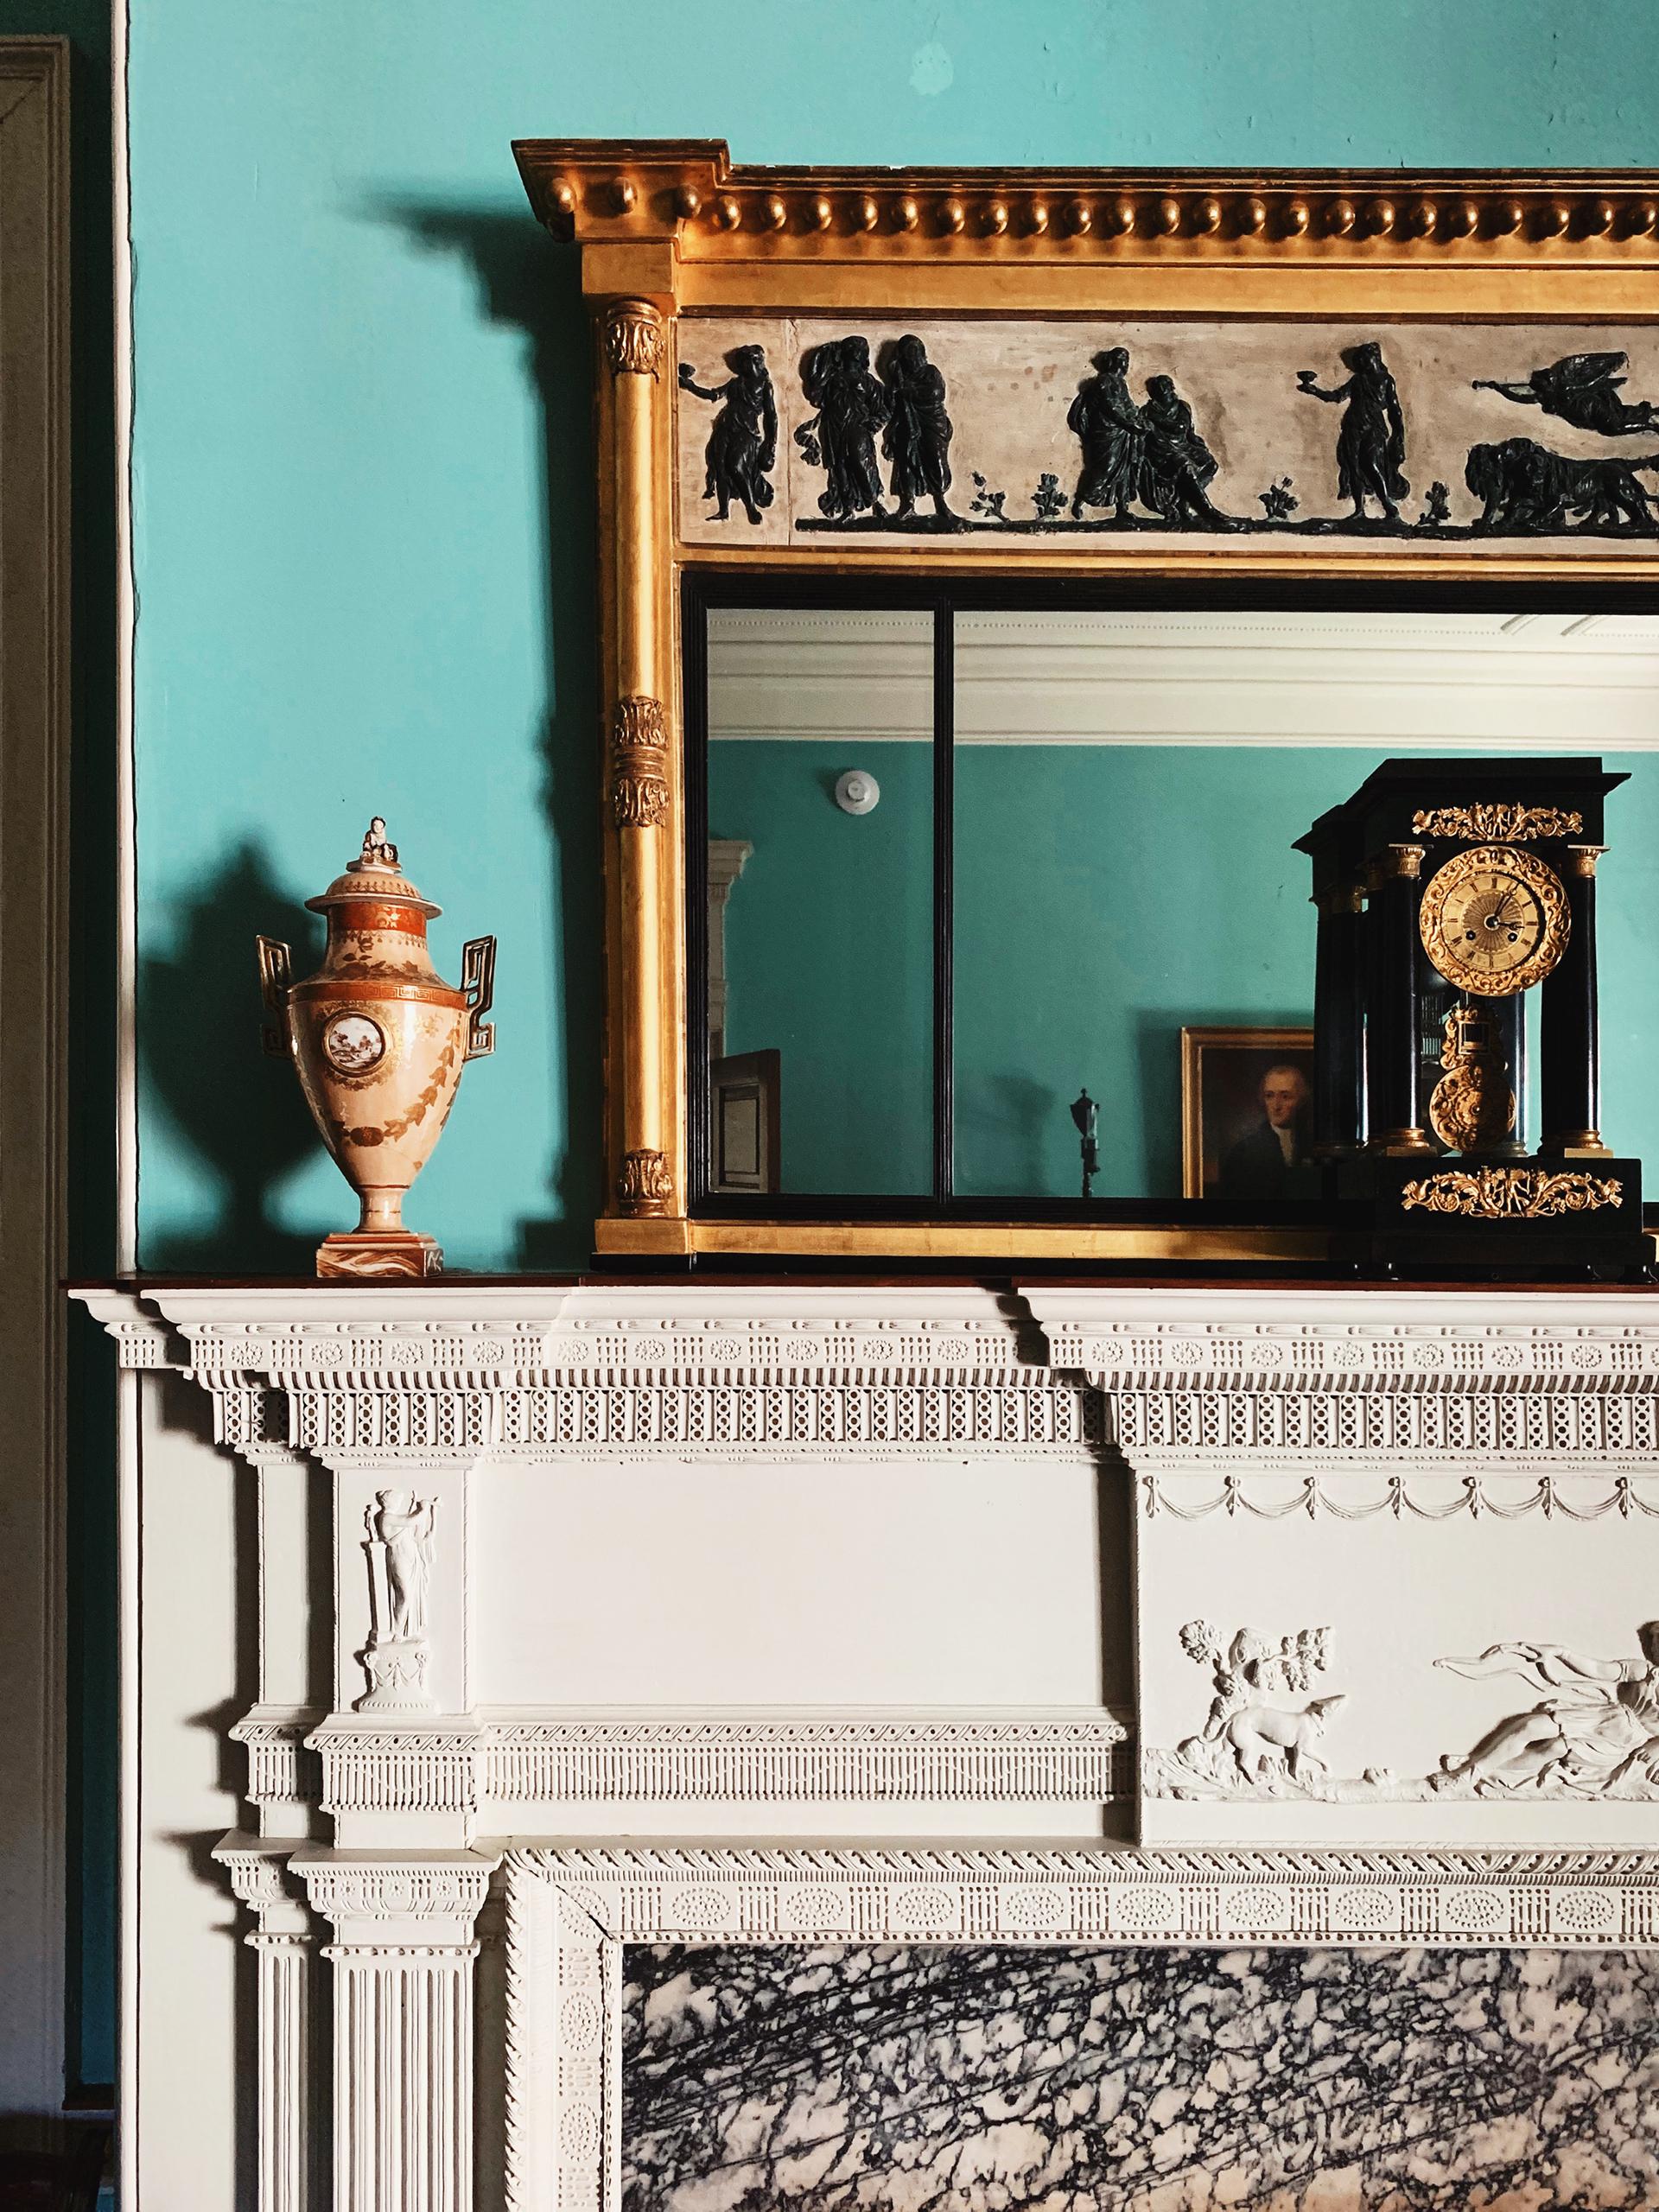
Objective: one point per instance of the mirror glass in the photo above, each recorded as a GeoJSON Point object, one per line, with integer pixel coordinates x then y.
{"type": "Point", "coordinates": [1125, 911]}
{"type": "Point", "coordinates": [820, 905]}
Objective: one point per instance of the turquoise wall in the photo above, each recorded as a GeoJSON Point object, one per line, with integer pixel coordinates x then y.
{"type": "Point", "coordinates": [830, 956]}
{"type": "Point", "coordinates": [363, 529]}
{"type": "Point", "coordinates": [1105, 897]}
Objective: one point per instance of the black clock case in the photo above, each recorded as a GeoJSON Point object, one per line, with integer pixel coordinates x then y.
{"type": "Point", "coordinates": [1373, 977]}
{"type": "Point", "coordinates": [1374, 1233]}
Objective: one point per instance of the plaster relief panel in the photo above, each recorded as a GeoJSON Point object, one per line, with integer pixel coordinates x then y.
{"type": "Point", "coordinates": [1449, 438]}
{"type": "Point", "coordinates": [1481, 1665]}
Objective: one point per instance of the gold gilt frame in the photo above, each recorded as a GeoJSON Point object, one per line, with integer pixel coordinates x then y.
{"type": "Point", "coordinates": [670, 229]}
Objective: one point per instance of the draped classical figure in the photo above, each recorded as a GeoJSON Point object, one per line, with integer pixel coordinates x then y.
{"type": "Point", "coordinates": [403, 1526]}
{"type": "Point", "coordinates": [1371, 444]}
{"type": "Point", "coordinates": [1593, 1731]}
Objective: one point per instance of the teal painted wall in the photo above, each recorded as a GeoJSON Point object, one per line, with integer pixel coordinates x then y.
{"type": "Point", "coordinates": [1105, 897]}
{"type": "Point", "coordinates": [830, 956]}
{"type": "Point", "coordinates": [363, 525]}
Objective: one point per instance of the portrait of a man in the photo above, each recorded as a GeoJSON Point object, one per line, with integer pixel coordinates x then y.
{"type": "Point", "coordinates": [1247, 1099]}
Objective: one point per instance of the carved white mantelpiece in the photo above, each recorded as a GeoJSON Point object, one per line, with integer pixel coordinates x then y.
{"type": "Point", "coordinates": [1063, 1615]}
{"type": "Point", "coordinates": [403, 2072]}
{"type": "Point", "coordinates": [282, 1937]}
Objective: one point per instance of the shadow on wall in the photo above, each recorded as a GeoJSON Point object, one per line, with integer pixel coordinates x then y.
{"type": "Point", "coordinates": [527, 281]}
{"type": "Point", "coordinates": [199, 1037]}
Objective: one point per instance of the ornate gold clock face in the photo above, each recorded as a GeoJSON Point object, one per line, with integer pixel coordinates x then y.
{"type": "Point", "coordinates": [1494, 920]}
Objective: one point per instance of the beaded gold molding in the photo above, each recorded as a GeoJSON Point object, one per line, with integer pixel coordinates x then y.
{"type": "Point", "coordinates": [691, 190]}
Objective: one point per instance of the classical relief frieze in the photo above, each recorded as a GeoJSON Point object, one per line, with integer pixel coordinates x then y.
{"type": "Point", "coordinates": [1256, 1737]}
{"type": "Point", "coordinates": [1592, 1730]}
{"type": "Point", "coordinates": [1130, 429]}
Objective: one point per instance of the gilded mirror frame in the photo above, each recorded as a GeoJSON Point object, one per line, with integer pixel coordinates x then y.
{"type": "Point", "coordinates": [671, 230]}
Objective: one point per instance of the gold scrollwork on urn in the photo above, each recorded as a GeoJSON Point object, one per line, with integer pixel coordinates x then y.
{"type": "Point", "coordinates": [1496, 820]}
{"type": "Point", "coordinates": [633, 339]}
{"type": "Point", "coordinates": [639, 764]}
{"type": "Point", "coordinates": [644, 1185]}
{"type": "Point", "coordinates": [1511, 1193]}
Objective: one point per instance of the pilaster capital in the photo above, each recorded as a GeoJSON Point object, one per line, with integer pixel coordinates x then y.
{"type": "Point", "coordinates": [633, 337]}
{"type": "Point", "coordinates": [258, 1871]}
{"type": "Point", "coordinates": [426, 1901]}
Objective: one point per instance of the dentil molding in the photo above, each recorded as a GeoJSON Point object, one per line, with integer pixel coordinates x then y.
{"type": "Point", "coordinates": [372, 1374]}
{"type": "Point", "coordinates": [470, 1766]}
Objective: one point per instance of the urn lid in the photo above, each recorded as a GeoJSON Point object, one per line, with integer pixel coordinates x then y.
{"type": "Point", "coordinates": [374, 874]}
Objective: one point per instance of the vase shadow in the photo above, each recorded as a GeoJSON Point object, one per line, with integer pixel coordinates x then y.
{"type": "Point", "coordinates": [240, 1109]}
{"type": "Point", "coordinates": [527, 281]}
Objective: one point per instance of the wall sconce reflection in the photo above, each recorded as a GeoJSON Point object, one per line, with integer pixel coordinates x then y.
{"type": "Point", "coordinates": [1086, 1113]}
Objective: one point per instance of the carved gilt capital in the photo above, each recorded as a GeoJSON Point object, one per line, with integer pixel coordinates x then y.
{"type": "Point", "coordinates": [638, 763]}
{"type": "Point", "coordinates": [645, 1187]}
{"type": "Point", "coordinates": [633, 337]}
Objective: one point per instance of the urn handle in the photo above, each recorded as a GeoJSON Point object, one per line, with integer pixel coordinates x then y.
{"type": "Point", "coordinates": [477, 981]}
{"type": "Point", "coordinates": [276, 974]}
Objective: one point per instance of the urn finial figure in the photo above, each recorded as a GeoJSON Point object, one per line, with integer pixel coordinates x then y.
{"type": "Point", "coordinates": [379, 1040]}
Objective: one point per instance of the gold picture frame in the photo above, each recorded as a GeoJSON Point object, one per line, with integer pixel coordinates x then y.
{"type": "Point", "coordinates": [1202, 1137]}
{"type": "Point", "coordinates": [673, 232]}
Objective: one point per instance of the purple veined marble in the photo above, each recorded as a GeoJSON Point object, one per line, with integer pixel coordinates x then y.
{"type": "Point", "coordinates": [853, 2078]}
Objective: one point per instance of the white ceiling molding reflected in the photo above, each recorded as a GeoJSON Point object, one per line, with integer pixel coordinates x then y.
{"type": "Point", "coordinates": [1532, 683]}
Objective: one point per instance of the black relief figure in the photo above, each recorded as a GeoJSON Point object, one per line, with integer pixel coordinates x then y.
{"type": "Point", "coordinates": [1177, 466]}
{"type": "Point", "coordinates": [742, 448]}
{"type": "Point", "coordinates": [1526, 491]}
{"type": "Point", "coordinates": [1582, 389]}
{"type": "Point", "coordinates": [1372, 444]}
{"type": "Point", "coordinates": [1106, 423]}
{"type": "Point", "coordinates": [917, 440]}
{"type": "Point", "coordinates": [852, 406]}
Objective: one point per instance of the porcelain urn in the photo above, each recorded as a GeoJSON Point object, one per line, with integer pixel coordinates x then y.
{"type": "Point", "coordinates": [379, 1040]}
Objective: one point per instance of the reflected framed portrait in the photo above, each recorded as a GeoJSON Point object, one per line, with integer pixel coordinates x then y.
{"type": "Point", "coordinates": [1247, 1114]}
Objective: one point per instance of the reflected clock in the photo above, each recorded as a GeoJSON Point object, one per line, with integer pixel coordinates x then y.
{"type": "Point", "coordinates": [1457, 1065]}
{"type": "Point", "coordinates": [1495, 920]}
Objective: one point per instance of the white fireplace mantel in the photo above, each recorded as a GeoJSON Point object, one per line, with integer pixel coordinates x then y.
{"type": "Point", "coordinates": [568, 1617]}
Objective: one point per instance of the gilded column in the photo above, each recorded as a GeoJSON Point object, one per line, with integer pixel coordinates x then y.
{"type": "Point", "coordinates": [1339, 1022]}
{"type": "Point", "coordinates": [640, 774]}
{"type": "Point", "coordinates": [1393, 1058]}
{"type": "Point", "coordinates": [1570, 1071]}
{"type": "Point", "coordinates": [282, 1942]}
{"type": "Point", "coordinates": [403, 1962]}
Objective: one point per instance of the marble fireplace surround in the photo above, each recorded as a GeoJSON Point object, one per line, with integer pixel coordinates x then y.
{"type": "Point", "coordinates": [463, 1848]}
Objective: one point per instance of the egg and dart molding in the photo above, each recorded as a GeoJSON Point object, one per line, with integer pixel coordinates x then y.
{"type": "Point", "coordinates": [1447, 891]}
